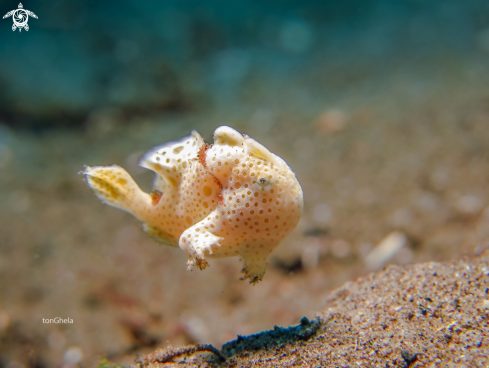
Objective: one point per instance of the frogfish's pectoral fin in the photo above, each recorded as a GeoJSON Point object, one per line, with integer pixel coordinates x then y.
{"type": "Point", "coordinates": [254, 266]}
{"type": "Point", "coordinates": [197, 240]}
{"type": "Point", "coordinates": [159, 235]}
{"type": "Point", "coordinates": [169, 159]}
{"type": "Point", "coordinates": [113, 185]}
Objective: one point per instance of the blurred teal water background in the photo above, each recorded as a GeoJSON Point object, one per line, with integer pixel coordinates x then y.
{"type": "Point", "coordinates": [143, 56]}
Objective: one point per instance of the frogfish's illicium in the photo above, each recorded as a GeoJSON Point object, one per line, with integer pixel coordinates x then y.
{"type": "Point", "coordinates": [231, 198]}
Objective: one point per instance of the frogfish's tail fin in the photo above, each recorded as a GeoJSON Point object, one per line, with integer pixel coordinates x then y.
{"type": "Point", "coordinates": [113, 185]}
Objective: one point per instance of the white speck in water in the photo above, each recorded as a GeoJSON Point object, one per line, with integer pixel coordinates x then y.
{"type": "Point", "coordinates": [73, 355]}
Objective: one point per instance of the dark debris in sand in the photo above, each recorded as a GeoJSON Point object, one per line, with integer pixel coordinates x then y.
{"type": "Point", "coordinates": [421, 315]}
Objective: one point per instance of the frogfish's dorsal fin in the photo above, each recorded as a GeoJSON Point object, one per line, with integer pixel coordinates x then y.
{"type": "Point", "coordinates": [170, 158]}
{"type": "Point", "coordinates": [228, 136]}
{"type": "Point", "coordinates": [258, 150]}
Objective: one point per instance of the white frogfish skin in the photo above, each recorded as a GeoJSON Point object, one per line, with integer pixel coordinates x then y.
{"type": "Point", "coordinates": [231, 198]}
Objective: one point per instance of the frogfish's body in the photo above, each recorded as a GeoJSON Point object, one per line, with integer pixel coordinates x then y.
{"type": "Point", "coordinates": [232, 198]}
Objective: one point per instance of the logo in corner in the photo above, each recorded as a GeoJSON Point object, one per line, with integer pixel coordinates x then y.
{"type": "Point", "coordinates": [20, 17]}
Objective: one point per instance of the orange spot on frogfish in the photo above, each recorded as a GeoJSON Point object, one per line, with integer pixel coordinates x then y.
{"type": "Point", "coordinates": [155, 197]}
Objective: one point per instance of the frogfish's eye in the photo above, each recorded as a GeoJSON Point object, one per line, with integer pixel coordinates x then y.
{"type": "Point", "coordinates": [263, 182]}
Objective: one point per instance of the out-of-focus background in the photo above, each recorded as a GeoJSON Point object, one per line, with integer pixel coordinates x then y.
{"type": "Point", "coordinates": [380, 107]}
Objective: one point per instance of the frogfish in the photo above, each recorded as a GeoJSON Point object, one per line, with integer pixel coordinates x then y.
{"type": "Point", "coordinates": [231, 198]}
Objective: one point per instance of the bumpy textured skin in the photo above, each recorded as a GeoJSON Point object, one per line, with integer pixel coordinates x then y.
{"type": "Point", "coordinates": [232, 198]}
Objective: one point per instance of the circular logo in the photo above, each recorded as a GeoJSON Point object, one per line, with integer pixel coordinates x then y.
{"type": "Point", "coordinates": [20, 18]}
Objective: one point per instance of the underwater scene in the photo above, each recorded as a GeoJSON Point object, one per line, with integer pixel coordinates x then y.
{"type": "Point", "coordinates": [333, 155]}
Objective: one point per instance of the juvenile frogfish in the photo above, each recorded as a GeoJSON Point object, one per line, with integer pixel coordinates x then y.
{"type": "Point", "coordinates": [231, 198]}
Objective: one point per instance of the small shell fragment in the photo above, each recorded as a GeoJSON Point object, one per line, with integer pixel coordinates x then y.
{"type": "Point", "coordinates": [385, 250]}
